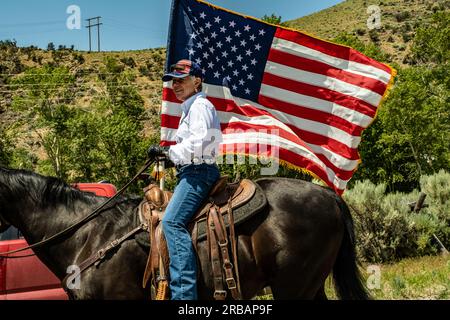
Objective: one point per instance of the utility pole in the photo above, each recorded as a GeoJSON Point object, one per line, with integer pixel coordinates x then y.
{"type": "Point", "coordinates": [98, 24]}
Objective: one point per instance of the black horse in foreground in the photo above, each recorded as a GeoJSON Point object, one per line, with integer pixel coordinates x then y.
{"type": "Point", "coordinates": [304, 234]}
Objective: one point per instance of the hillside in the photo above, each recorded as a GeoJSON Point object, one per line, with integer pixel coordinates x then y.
{"type": "Point", "coordinates": [32, 78]}
{"type": "Point", "coordinates": [399, 19]}
{"type": "Point", "coordinates": [88, 68]}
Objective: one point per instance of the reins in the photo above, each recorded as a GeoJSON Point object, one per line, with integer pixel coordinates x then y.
{"type": "Point", "coordinates": [93, 214]}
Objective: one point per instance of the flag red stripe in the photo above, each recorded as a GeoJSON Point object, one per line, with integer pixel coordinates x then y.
{"type": "Point", "coordinates": [166, 143]}
{"type": "Point", "coordinates": [169, 95]}
{"type": "Point", "coordinates": [302, 162]}
{"type": "Point", "coordinates": [327, 70]}
{"type": "Point", "coordinates": [320, 93]}
{"type": "Point", "coordinates": [329, 48]}
{"type": "Point", "coordinates": [239, 127]}
{"type": "Point", "coordinates": [284, 154]}
{"type": "Point", "coordinates": [311, 114]}
{"type": "Point", "coordinates": [168, 121]}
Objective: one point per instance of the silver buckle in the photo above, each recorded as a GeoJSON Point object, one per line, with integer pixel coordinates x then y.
{"type": "Point", "coordinates": [231, 283]}
{"type": "Point", "coordinates": [220, 294]}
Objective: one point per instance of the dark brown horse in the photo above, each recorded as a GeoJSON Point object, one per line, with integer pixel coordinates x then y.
{"type": "Point", "coordinates": [304, 234]}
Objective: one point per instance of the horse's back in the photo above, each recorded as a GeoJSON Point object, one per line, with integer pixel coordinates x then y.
{"type": "Point", "coordinates": [308, 198]}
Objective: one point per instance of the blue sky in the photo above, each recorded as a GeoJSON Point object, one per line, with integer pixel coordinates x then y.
{"type": "Point", "coordinates": [127, 25]}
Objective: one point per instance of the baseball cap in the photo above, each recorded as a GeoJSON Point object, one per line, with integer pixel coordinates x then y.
{"type": "Point", "coordinates": [182, 69]}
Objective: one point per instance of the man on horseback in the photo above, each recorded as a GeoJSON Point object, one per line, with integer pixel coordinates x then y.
{"type": "Point", "coordinates": [197, 140]}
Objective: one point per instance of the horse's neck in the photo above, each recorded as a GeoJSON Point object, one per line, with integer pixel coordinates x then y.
{"type": "Point", "coordinates": [42, 223]}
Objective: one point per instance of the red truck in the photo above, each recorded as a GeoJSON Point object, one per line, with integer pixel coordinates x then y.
{"type": "Point", "coordinates": [28, 278]}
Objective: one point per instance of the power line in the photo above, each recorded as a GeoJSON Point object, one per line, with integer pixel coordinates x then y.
{"type": "Point", "coordinates": [136, 27]}
{"type": "Point", "coordinates": [98, 24]}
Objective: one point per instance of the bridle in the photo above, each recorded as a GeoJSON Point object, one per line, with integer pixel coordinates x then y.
{"type": "Point", "coordinates": [79, 223]}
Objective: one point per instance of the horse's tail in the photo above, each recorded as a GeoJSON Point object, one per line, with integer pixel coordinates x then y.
{"type": "Point", "coordinates": [348, 281]}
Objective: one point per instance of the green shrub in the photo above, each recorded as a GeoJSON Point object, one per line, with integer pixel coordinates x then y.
{"type": "Point", "coordinates": [437, 189]}
{"type": "Point", "coordinates": [128, 61]}
{"type": "Point", "coordinates": [373, 34]}
{"type": "Point", "coordinates": [78, 57]}
{"type": "Point", "coordinates": [383, 231]}
{"type": "Point", "coordinates": [143, 70]}
{"type": "Point", "coordinates": [402, 16]}
{"type": "Point", "coordinates": [406, 37]}
{"type": "Point", "coordinates": [360, 32]}
{"type": "Point", "coordinates": [386, 228]}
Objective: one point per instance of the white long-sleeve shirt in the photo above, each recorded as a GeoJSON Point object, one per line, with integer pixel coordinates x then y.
{"type": "Point", "coordinates": [198, 135]}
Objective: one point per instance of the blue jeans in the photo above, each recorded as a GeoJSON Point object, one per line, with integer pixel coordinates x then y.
{"type": "Point", "coordinates": [194, 184]}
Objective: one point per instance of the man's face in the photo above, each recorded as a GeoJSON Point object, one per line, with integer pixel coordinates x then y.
{"type": "Point", "coordinates": [184, 88]}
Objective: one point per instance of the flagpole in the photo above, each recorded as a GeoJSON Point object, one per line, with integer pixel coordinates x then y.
{"type": "Point", "coordinates": [172, 27]}
{"type": "Point", "coordinates": [162, 180]}
{"type": "Point", "coordinates": [170, 49]}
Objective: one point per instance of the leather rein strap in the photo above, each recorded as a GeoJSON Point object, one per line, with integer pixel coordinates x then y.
{"type": "Point", "coordinates": [218, 242]}
{"type": "Point", "coordinates": [100, 254]}
{"type": "Point", "coordinates": [93, 214]}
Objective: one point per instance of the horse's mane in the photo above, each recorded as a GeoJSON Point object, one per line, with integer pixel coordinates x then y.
{"type": "Point", "coordinates": [43, 190]}
{"type": "Point", "coordinates": [15, 185]}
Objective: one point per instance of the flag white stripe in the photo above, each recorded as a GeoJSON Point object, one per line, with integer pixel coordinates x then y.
{"type": "Point", "coordinates": [350, 66]}
{"type": "Point", "coordinates": [168, 134]}
{"type": "Point", "coordinates": [336, 159]}
{"type": "Point", "coordinates": [171, 108]}
{"type": "Point", "coordinates": [230, 117]}
{"type": "Point", "coordinates": [323, 81]}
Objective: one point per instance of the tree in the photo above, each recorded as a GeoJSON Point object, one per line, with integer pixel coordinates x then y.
{"type": "Point", "coordinates": [43, 99]}
{"type": "Point", "coordinates": [107, 142]}
{"type": "Point", "coordinates": [273, 19]}
{"type": "Point", "coordinates": [432, 41]}
{"type": "Point", "coordinates": [416, 122]}
{"type": "Point", "coordinates": [409, 137]}
{"type": "Point", "coordinates": [51, 46]}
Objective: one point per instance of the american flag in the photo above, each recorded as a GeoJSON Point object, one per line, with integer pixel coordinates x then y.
{"type": "Point", "coordinates": [305, 98]}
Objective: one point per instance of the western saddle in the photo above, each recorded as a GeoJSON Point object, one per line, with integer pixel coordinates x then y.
{"type": "Point", "coordinates": [222, 199]}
